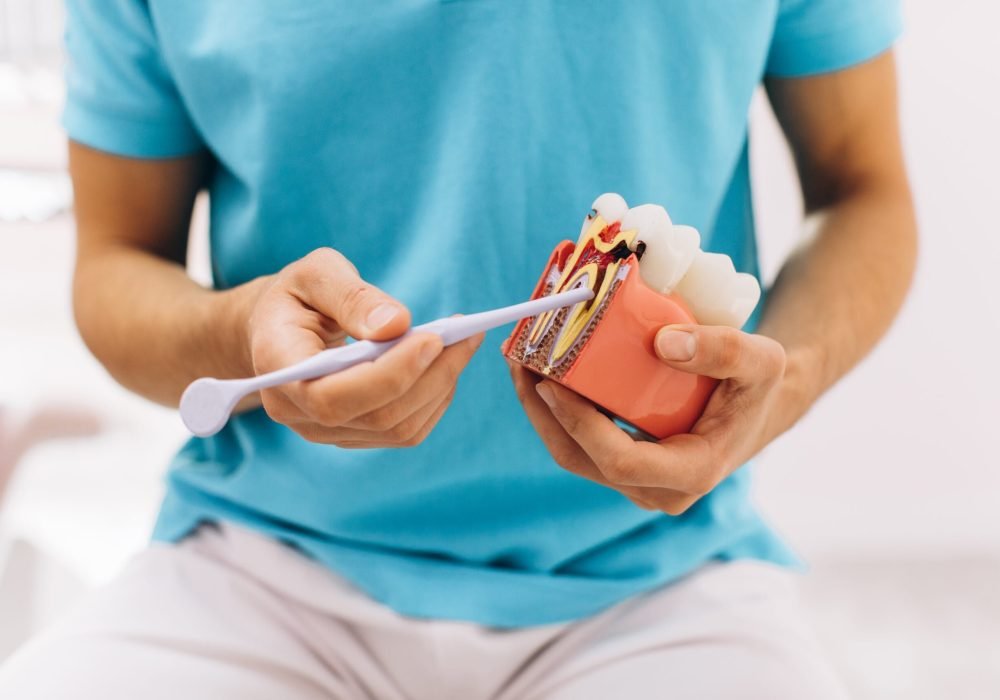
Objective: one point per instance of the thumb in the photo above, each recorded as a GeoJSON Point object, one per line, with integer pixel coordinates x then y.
{"type": "Point", "coordinates": [330, 284]}
{"type": "Point", "coordinates": [720, 352]}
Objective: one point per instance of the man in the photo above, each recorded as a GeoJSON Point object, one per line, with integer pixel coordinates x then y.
{"type": "Point", "coordinates": [371, 164]}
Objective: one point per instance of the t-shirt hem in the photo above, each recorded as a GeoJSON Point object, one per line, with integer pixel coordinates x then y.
{"type": "Point", "coordinates": [555, 599]}
{"type": "Point", "coordinates": [857, 43]}
{"type": "Point", "coordinates": [132, 136]}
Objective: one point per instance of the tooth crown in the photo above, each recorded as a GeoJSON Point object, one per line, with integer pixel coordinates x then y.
{"type": "Point", "coordinates": [716, 293]}
{"type": "Point", "coordinates": [669, 249]}
{"type": "Point", "coordinates": [673, 262]}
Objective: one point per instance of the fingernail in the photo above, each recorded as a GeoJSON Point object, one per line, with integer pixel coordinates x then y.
{"type": "Point", "coordinates": [678, 346]}
{"type": "Point", "coordinates": [545, 391]}
{"type": "Point", "coordinates": [381, 315]}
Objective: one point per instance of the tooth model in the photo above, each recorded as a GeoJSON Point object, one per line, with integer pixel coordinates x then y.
{"type": "Point", "coordinates": [646, 272]}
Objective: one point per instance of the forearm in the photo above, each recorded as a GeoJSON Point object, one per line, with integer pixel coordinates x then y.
{"type": "Point", "coordinates": [838, 294]}
{"type": "Point", "coordinates": [153, 328]}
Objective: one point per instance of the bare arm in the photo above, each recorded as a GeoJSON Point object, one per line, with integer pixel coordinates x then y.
{"type": "Point", "coordinates": [837, 295]}
{"type": "Point", "coordinates": [152, 327]}
{"type": "Point", "coordinates": [831, 303]}
{"type": "Point", "coordinates": [156, 330]}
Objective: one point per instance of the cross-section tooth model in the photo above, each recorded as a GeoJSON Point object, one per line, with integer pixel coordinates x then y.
{"type": "Point", "coordinates": [646, 272]}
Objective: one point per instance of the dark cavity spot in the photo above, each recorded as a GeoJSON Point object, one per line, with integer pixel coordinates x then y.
{"type": "Point", "coordinates": [620, 251]}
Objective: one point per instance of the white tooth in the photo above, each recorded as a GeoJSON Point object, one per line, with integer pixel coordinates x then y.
{"type": "Point", "coordinates": [610, 206]}
{"type": "Point", "coordinates": [716, 293]}
{"type": "Point", "coordinates": [746, 295]}
{"type": "Point", "coordinates": [668, 257]}
{"type": "Point", "coordinates": [669, 248]}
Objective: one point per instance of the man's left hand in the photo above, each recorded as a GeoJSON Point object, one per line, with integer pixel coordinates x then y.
{"type": "Point", "coordinates": [672, 474]}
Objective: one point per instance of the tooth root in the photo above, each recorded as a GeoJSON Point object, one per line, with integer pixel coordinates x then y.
{"type": "Point", "coordinates": [609, 206]}
{"type": "Point", "coordinates": [716, 294]}
{"type": "Point", "coordinates": [669, 248]}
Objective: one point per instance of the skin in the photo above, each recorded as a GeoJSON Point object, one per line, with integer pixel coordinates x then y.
{"type": "Point", "coordinates": [156, 330]}
{"type": "Point", "coordinates": [832, 301]}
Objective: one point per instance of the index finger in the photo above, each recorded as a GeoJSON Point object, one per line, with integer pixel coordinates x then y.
{"type": "Point", "coordinates": [328, 282]}
{"type": "Point", "coordinates": [339, 398]}
{"type": "Point", "coordinates": [566, 452]}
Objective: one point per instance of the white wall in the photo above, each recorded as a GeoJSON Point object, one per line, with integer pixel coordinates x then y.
{"type": "Point", "coordinates": [903, 454]}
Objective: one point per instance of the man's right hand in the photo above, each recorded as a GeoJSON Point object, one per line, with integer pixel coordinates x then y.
{"type": "Point", "coordinates": [156, 330]}
{"type": "Point", "coordinates": [395, 401]}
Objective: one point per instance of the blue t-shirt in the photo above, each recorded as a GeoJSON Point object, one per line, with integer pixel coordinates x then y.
{"type": "Point", "coordinates": [445, 146]}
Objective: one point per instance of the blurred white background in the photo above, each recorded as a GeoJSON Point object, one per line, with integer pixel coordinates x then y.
{"type": "Point", "coordinates": [890, 487]}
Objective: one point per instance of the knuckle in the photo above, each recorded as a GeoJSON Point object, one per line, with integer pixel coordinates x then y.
{"type": "Point", "coordinates": [417, 433]}
{"type": "Point", "coordinates": [310, 432]}
{"type": "Point", "coordinates": [354, 298]}
{"type": "Point", "coordinates": [774, 362]}
{"type": "Point", "coordinates": [397, 435]}
{"type": "Point", "coordinates": [303, 431]}
{"type": "Point", "coordinates": [394, 383]}
{"type": "Point", "coordinates": [314, 263]}
{"type": "Point", "coordinates": [676, 505]}
{"type": "Point", "coordinates": [312, 405]}
{"type": "Point", "coordinates": [618, 470]}
{"type": "Point", "coordinates": [672, 508]}
{"type": "Point", "coordinates": [383, 419]}
{"type": "Point", "coordinates": [642, 503]}
{"type": "Point", "coordinates": [424, 428]}
{"type": "Point", "coordinates": [445, 404]}
{"type": "Point", "coordinates": [276, 409]}
{"type": "Point", "coordinates": [702, 484]}
{"type": "Point", "coordinates": [324, 255]}
{"type": "Point", "coordinates": [320, 409]}
{"type": "Point", "coordinates": [405, 430]}
{"type": "Point", "coordinates": [293, 271]}
{"type": "Point", "coordinates": [730, 351]}
{"type": "Point", "coordinates": [564, 456]}
{"type": "Point", "coordinates": [262, 355]}
{"type": "Point", "coordinates": [416, 439]}
{"type": "Point", "coordinates": [453, 370]}
{"type": "Point", "coordinates": [569, 421]}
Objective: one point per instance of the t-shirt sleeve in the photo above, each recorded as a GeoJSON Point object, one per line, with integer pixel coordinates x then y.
{"type": "Point", "coordinates": [820, 36]}
{"type": "Point", "coordinates": [120, 95]}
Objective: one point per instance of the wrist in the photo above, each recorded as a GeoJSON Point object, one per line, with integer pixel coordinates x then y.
{"type": "Point", "coordinates": [230, 318]}
{"type": "Point", "coordinates": [800, 386]}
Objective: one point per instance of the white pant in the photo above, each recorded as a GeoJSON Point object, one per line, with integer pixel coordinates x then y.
{"type": "Point", "coordinates": [231, 614]}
